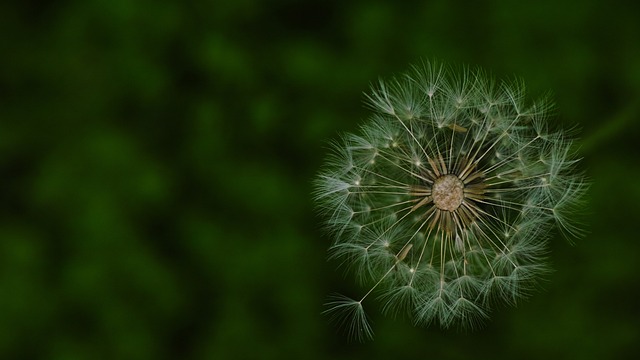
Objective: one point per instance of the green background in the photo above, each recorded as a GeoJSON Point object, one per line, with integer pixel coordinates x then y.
{"type": "Point", "coordinates": [156, 161]}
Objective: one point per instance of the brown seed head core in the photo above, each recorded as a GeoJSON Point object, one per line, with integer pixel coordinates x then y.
{"type": "Point", "coordinates": [447, 192]}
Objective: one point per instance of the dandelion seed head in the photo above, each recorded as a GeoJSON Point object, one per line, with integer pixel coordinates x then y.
{"type": "Point", "coordinates": [444, 202]}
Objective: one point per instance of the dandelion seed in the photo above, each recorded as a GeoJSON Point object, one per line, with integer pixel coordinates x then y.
{"type": "Point", "coordinates": [348, 313]}
{"type": "Point", "coordinates": [404, 252]}
{"type": "Point", "coordinates": [453, 216]}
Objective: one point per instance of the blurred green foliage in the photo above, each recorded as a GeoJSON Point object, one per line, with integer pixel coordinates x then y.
{"type": "Point", "coordinates": [156, 161]}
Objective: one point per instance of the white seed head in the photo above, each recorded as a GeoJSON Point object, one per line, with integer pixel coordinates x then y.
{"type": "Point", "coordinates": [444, 202]}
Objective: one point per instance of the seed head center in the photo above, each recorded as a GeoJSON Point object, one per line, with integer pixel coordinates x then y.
{"type": "Point", "coordinates": [447, 192]}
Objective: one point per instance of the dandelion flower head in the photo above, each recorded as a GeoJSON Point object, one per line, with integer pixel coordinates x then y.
{"type": "Point", "coordinates": [444, 202]}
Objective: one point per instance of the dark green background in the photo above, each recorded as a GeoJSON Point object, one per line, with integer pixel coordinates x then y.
{"type": "Point", "coordinates": [156, 161]}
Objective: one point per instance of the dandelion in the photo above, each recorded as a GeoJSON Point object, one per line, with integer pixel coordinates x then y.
{"type": "Point", "coordinates": [444, 202]}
